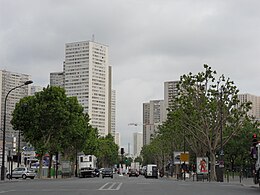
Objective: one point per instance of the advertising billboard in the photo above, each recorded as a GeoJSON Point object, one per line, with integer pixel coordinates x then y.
{"type": "Point", "coordinates": [202, 165]}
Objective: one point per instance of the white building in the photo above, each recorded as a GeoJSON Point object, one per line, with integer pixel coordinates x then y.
{"type": "Point", "coordinates": [255, 110]}
{"type": "Point", "coordinates": [170, 92]}
{"type": "Point", "coordinates": [117, 139]}
{"type": "Point", "coordinates": [153, 116]}
{"type": "Point", "coordinates": [113, 113]}
{"type": "Point", "coordinates": [138, 143]}
{"type": "Point", "coordinates": [57, 79]}
{"type": "Point", "coordinates": [9, 80]}
{"type": "Point", "coordinates": [88, 77]}
{"type": "Point", "coordinates": [35, 89]}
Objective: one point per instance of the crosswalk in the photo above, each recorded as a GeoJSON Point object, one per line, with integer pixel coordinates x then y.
{"type": "Point", "coordinates": [111, 186]}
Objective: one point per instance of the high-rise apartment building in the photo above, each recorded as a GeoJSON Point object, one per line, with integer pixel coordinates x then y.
{"type": "Point", "coordinates": [57, 79]}
{"type": "Point", "coordinates": [153, 116]}
{"type": "Point", "coordinates": [9, 80]}
{"type": "Point", "coordinates": [35, 89]}
{"type": "Point", "coordinates": [170, 92]}
{"type": "Point", "coordinates": [138, 143]}
{"type": "Point", "coordinates": [117, 139]}
{"type": "Point", "coordinates": [113, 113]}
{"type": "Point", "coordinates": [255, 110]}
{"type": "Point", "coordinates": [87, 75]}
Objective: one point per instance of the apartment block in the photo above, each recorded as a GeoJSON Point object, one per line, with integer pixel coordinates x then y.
{"type": "Point", "coordinates": [170, 92]}
{"type": "Point", "coordinates": [35, 89]}
{"type": "Point", "coordinates": [57, 79]}
{"type": "Point", "coordinates": [255, 111]}
{"type": "Point", "coordinates": [138, 143]}
{"type": "Point", "coordinates": [87, 76]}
{"type": "Point", "coordinates": [153, 116]}
{"type": "Point", "coordinates": [9, 80]}
{"type": "Point", "coordinates": [117, 139]}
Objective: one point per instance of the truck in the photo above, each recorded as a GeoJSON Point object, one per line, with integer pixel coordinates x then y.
{"type": "Point", "coordinates": [151, 171]}
{"type": "Point", "coordinates": [135, 166]}
{"type": "Point", "coordinates": [87, 165]}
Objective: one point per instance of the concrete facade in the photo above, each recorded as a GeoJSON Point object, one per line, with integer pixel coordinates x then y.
{"type": "Point", "coordinates": [9, 80]}
{"type": "Point", "coordinates": [87, 76]}
{"type": "Point", "coordinates": [153, 116]}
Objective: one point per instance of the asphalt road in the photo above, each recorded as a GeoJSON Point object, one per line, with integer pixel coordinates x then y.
{"type": "Point", "coordinates": [122, 185]}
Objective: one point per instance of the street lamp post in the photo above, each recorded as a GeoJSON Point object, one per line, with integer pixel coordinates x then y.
{"type": "Point", "coordinates": [221, 164]}
{"type": "Point", "coordinates": [18, 151]}
{"type": "Point", "coordinates": [3, 149]}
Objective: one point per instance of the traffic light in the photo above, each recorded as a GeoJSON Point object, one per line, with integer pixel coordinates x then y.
{"type": "Point", "coordinates": [254, 139]}
{"type": "Point", "coordinates": [122, 151]}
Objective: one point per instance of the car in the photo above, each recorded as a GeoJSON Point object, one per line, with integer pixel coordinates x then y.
{"type": "Point", "coordinates": [133, 172]}
{"type": "Point", "coordinates": [22, 172]}
{"type": "Point", "coordinates": [96, 173]}
{"type": "Point", "coordinates": [107, 172]}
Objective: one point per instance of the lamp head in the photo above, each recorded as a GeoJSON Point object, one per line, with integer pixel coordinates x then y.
{"type": "Point", "coordinates": [28, 82]}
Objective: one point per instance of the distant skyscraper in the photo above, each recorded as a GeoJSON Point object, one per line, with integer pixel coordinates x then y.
{"type": "Point", "coordinates": [138, 143]}
{"type": "Point", "coordinates": [57, 79]}
{"type": "Point", "coordinates": [255, 110]}
{"type": "Point", "coordinates": [170, 92]}
{"type": "Point", "coordinates": [88, 77]}
{"type": "Point", "coordinates": [113, 113]}
{"type": "Point", "coordinates": [9, 80]}
{"type": "Point", "coordinates": [153, 116]}
{"type": "Point", "coordinates": [35, 89]}
{"type": "Point", "coordinates": [117, 139]}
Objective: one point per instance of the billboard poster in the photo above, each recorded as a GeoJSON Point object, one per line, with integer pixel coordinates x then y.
{"type": "Point", "coordinates": [202, 165]}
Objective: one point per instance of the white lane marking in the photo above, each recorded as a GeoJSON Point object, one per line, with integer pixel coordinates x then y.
{"type": "Point", "coordinates": [110, 185]}
{"type": "Point", "coordinates": [119, 186]}
{"type": "Point", "coordinates": [3, 192]}
{"type": "Point", "coordinates": [102, 187]}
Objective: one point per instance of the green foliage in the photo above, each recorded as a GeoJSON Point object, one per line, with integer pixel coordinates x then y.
{"type": "Point", "coordinates": [51, 121]}
{"type": "Point", "coordinates": [107, 152]}
{"type": "Point", "coordinates": [237, 150]}
{"type": "Point", "coordinates": [205, 110]}
{"type": "Point", "coordinates": [139, 159]}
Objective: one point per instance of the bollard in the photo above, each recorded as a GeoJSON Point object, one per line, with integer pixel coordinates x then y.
{"type": "Point", "coordinates": [227, 176]}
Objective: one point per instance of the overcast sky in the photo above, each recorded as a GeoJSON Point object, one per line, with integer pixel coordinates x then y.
{"type": "Point", "coordinates": [150, 42]}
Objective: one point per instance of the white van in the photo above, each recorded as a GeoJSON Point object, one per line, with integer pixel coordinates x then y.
{"type": "Point", "coordinates": [151, 171]}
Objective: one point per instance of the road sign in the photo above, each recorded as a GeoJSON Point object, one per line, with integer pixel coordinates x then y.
{"type": "Point", "coordinates": [184, 157]}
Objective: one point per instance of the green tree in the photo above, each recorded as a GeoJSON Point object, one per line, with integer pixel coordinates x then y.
{"type": "Point", "coordinates": [139, 159]}
{"type": "Point", "coordinates": [237, 149]}
{"type": "Point", "coordinates": [46, 118]}
{"type": "Point", "coordinates": [107, 152]}
{"type": "Point", "coordinates": [207, 109]}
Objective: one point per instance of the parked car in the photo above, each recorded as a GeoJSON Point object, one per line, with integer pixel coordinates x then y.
{"type": "Point", "coordinates": [133, 172]}
{"type": "Point", "coordinates": [22, 172]}
{"type": "Point", "coordinates": [107, 172]}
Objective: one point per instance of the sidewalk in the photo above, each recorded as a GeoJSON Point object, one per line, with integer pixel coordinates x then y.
{"type": "Point", "coordinates": [232, 180]}
{"type": "Point", "coordinates": [243, 181]}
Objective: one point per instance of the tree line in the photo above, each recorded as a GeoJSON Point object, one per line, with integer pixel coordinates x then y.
{"type": "Point", "coordinates": [207, 119]}
{"type": "Point", "coordinates": [54, 123]}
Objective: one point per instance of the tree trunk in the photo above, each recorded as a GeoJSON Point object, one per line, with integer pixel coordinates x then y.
{"type": "Point", "coordinates": [40, 167]}
{"type": "Point", "coordinates": [213, 176]}
{"type": "Point", "coordinates": [50, 165]}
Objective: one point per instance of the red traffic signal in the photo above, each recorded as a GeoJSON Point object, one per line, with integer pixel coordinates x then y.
{"type": "Point", "coordinates": [254, 139]}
